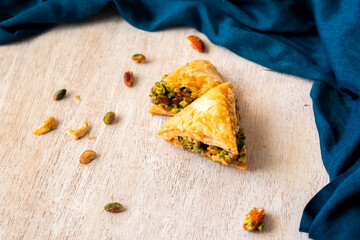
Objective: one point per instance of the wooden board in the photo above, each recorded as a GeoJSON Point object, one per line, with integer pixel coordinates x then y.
{"type": "Point", "coordinates": [168, 193]}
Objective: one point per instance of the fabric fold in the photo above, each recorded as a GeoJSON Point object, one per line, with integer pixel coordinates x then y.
{"type": "Point", "coordinates": [333, 213]}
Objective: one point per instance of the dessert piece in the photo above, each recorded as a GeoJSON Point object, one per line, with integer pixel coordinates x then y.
{"type": "Point", "coordinates": [178, 89]}
{"type": "Point", "coordinates": [210, 127]}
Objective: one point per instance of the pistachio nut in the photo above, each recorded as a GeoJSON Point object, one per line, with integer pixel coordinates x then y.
{"type": "Point", "coordinates": [114, 207]}
{"type": "Point", "coordinates": [109, 118]}
{"type": "Point", "coordinates": [139, 58]}
{"type": "Point", "coordinates": [59, 94]}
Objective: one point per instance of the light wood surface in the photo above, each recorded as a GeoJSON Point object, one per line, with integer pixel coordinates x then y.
{"type": "Point", "coordinates": [168, 193]}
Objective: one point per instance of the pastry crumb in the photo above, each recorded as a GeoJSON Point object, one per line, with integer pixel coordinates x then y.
{"type": "Point", "coordinates": [91, 137]}
{"type": "Point", "coordinates": [77, 97]}
{"type": "Point", "coordinates": [254, 219]}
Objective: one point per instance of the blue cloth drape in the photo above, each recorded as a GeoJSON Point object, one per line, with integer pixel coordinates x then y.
{"type": "Point", "coordinates": [313, 39]}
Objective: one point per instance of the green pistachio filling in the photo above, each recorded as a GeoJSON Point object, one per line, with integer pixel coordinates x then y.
{"type": "Point", "coordinates": [248, 222]}
{"type": "Point", "coordinates": [198, 147]}
{"type": "Point", "coordinates": [171, 97]}
{"type": "Point", "coordinates": [192, 145]}
{"type": "Point", "coordinates": [240, 140]}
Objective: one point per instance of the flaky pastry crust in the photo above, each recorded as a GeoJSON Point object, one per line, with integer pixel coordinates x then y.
{"type": "Point", "coordinates": [211, 119]}
{"type": "Point", "coordinates": [199, 77]}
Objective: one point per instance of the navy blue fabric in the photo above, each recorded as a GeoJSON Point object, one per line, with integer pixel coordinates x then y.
{"type": "Point", "coordinates": [316, 39]}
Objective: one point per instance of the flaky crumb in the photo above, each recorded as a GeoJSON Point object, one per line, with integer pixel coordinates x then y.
{"type": "Point", "coordinates": [91, 137]}
{"type": "Point", "coordinates": [77, 97]}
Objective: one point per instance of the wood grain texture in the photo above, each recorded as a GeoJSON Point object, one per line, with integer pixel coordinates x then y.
{"type": "Point", "coordinates": [168, 193]}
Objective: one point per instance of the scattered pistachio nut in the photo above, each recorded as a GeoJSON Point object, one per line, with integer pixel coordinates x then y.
{"type": "Point", "coordinates": [109, 118]}
{"type": "Point", "coordinates": [87, 156]}
{"type": "Point", "coordinates": [47, 125]}
{"type": "Point", "coordinates": [139, 58]}
{"type": "Point", "coordinates": [128, 78]}
{"type": "Point", "coordinates": [77, 97]}
{"type": "Point", "coordinates": [59, 94]}
{"type": "Point", "coordinates": [114, 207]}
{"type": "Point", "coordinates": [78, 133]}
{"type": "Point", "coordinates": [254, 219]}
{"type": "Point", "coordinates": [196, 43]}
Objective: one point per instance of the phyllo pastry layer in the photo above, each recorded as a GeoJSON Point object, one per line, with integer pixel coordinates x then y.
{"type": "Point", "coordinates": [210, 127]}
{"type": "Point", "coordinates": [178, 89]}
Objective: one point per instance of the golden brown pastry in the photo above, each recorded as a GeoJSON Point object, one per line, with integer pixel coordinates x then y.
{"type": "Point", "coordinates": [210, 126]}
{"type": "Point", "coordinates": [178, 89]}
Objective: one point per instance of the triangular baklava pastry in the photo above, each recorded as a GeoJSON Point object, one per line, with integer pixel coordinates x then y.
{"type": "Point", "coordinates": [178, 89]}
{"type": "Point", "coordinates": [210, 126]}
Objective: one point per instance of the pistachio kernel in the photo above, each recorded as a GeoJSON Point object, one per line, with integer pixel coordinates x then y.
{"type": "Point", "coordinates": [109, 118]}
{"type": "Point", "coordinates": [128, 78]}
{"type": "Point", "coordinates": [222, 154]}
{"type": "Point", "coordinates": [185, 90]}
{"type": "Point", "coordinates": [114, 207]}
{"type": "Point", "coordinates": [260, 227]}
{"type": "Point", "coordinates": [175, 110]}
{"type": "Point", "coordinates": [249, 222]}
{"type": "Point", "coordinates": [139, 58]}
{"type": "Point", "coordinates": [193, 95]}
{"type": "Point", "coordinates": [59, 95]}
{"type": "Point", "coordinates": [227, 158]}
{"type": "Point", "coordinates": [183, 103]}
{"type": "Point", "coordinates": [159, 88]}
{"type": "Point", "coordinates": [163, 77]}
